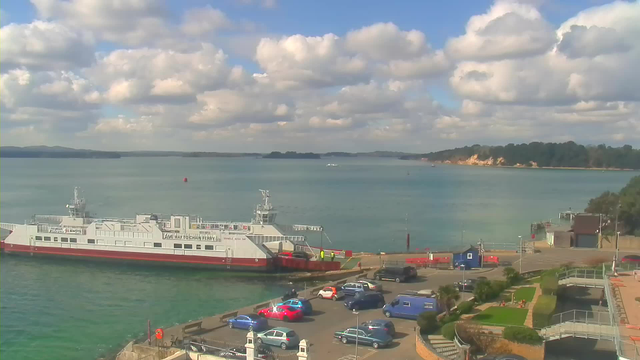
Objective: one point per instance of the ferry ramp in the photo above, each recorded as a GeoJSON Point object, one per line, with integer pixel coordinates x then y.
{"type": "Point", "coordinates": [581, 324]}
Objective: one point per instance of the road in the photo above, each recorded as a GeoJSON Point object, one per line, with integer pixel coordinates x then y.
{"type": "Point", "coordinates": [329, 316]}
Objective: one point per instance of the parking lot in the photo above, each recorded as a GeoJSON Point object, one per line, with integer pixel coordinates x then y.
{"type": "Point", "coordinates": [330, 316]}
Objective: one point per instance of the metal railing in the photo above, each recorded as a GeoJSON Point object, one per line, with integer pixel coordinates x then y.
{"type": "Point", "coordinates": [583, 317]}
{"type": "Point", "coordinates": [581, 274]}
{"type": "Point", "coordinates": [624, 349]}
{"type": "Point", "coordinates": [461, 345]}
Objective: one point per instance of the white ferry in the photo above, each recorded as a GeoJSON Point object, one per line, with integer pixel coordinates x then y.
{"type": "Point", "coordinates": [178, 239]}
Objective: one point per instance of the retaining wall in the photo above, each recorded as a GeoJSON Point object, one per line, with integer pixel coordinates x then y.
{"type": "Point", "coordinates": [424, 349]}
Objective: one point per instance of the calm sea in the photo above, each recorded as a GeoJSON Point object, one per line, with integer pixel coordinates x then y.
{"type": "Point", "coordinates": [78, 310]}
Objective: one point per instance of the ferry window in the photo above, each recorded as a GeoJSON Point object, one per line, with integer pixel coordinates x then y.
{"type": "Point", "coordinates": [63, 239]}
{"type": "Point", "coordinates": [176, 223]}
{"type": "Point", "coordinates": [177, 246]}
{"type": "Point", "coordinates": [47, 238]}
{"type": "Point", "coordinates": [100, 242]}
{"type": "Point", "coordinates": [91, 241]}
{"type": "Point", "coordinates": [38, 237]}
{"type": "Point", "coordinates": [128, 243]}
{"type": "Point", "coordinates": [198, 247]}
{"type": "Point", "coordinates": [188, 246]}
{"type": "Point", "coordinates": [157, 245]}
{"type": "Point", "coordinates": [208, 247]}
{"type": "Point", "coordinates": [74, 240]}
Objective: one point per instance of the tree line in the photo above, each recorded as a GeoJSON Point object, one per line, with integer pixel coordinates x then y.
{"type": "Point", "coordinates": [625, 204]}
{"type": "Point", "coordinates": [568, 154]}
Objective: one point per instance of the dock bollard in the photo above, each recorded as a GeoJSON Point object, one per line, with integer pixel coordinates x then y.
{"type": "Point", "coordinates": [250, 345]}
{"type": "Point", "coordinates": [303, 350]}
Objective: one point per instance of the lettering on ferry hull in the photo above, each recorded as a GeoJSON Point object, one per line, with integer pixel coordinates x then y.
{"type": "Point", "coordinates": [169, 236]}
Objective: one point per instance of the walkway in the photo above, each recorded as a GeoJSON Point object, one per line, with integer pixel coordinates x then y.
{"type": "Point", "coordinates": [572, 329]}
{"type": "Point", "coordinates": [529, 320]}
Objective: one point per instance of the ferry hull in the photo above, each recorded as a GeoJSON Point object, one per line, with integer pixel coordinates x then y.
{"type": "Point", "coordinates": [234, 264]}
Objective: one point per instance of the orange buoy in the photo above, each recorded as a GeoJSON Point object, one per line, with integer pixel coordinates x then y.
{"type": "Point", "coordinates": [185, 180]}
{"type": "Point", "coordinates": [159, 334]}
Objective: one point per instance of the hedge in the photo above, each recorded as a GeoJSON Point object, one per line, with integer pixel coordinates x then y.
{"type": "Point", "coordinates": [465, 307]}
{"type": "Point", "coordinates": [549, 285]}
{"type": "Point", "coordinates": [452, 317]}
{"type": "Point", "coordinates": [428, 322]}
{"type": "Point", "coordinates": [542, 311]}
{"type": "Point", "coordinates": [449, 331]}
{"type": "Point", "coordinates": [523, 335]}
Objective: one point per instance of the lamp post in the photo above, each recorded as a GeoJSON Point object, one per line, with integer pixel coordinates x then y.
{"type": "Point", "coordinates": [616, 230]}
{"type": "Point", "coordinates": [462, 237]}
{"type": "Point", "coordinates": [463, 266]}
{"type": "Point", "coordinates": [357, 330]}
{"type": "Point", "coordinates": [520, 253]}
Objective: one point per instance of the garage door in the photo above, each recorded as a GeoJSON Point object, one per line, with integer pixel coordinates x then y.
{"type": "Point", "coordinates": [587, 241]}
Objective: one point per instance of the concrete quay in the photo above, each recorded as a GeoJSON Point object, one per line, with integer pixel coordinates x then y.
{"type": "Point", "coordinates": [329, 316]}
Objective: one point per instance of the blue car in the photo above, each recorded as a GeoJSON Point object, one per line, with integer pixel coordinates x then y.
{"type": "Point", "coordinates": [365, 300]}
{"type": "Point", "coordinates": [249, 322]}
{"type": "Point", "coordinates": [299, 304]}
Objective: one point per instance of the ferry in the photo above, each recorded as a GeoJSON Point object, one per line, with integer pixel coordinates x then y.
{"type": "Point", "coordinates": [175, 239]}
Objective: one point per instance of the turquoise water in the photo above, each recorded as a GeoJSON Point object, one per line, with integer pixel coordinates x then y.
{"type": "Point", "coordinates": [80, 310]}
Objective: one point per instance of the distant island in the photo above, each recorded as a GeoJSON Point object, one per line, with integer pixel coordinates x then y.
{"type": "Point", "coordinates": [55, 152]}
{"type": "Point", "coordinates": [538, 155]}
{"type": "Point", "coordinates": [291, 155]}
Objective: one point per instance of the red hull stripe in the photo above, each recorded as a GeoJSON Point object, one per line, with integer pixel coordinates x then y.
{"type": "Point", "coordinates": [121, 255]}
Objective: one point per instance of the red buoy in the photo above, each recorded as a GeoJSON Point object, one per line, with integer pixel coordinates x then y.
{"type": "Point", "coordinates": [185, 180]}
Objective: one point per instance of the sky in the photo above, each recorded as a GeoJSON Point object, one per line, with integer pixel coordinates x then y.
{"type": "Point", "coordinates": [348, 75]}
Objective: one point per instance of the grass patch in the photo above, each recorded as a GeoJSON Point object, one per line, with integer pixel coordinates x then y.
{"type": "Point", "coordinates": [525, 293]}
{"type": "Point", "coordinates": [497, 315]}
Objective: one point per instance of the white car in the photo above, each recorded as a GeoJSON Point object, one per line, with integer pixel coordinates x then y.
{"type": "Point", "coordinates": [330, 292]}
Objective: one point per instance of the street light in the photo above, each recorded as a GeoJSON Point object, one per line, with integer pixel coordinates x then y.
{"type": "Point", "coordinates": [520, 253]}
{"type": "Point", "coordinates": [462, 237]}
{"type": "Point", "coordinates": [357, 330]}
{"type": "Point", "coordinates": [463, 266]}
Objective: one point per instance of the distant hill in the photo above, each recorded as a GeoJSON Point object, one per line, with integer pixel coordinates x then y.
{"type": "Point", "coordinates": [291, 155]}
{"type": "Point", "coordinates": [537, 154]}
{"type": "Point", "coordinates": [216, 154]}
{"type": "Point", "coordinates": [54, 152]}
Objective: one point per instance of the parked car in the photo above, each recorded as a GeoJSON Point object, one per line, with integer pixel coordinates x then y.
{"type": "Point", "coordinates": [631, 258]}
{"type": "Point", "coordinates": [397, 274]}
{"type": "Point", "coordinates": [300, 304]}
{"type": "Point", "coordinates": [240, 352]}
{"type": "Point", "coordinates": [469, 285]}
{"type": "Point", "coordinates": [482, 278]}
{"type": "Point", "coordinates": [383, 325]}
{"type": "Point", "coordinates": [365, 336]}
{"type": "Point", "coordinates": [331, 292]}
{"type": "Point", "coordinates": [373, 285]}
{"type": "Point", "coordinates": [409, 306]}
{"type": "Point", "coordinates": [281, 336]}
{"type": "Point", "coordinates": [365, 300]}
{"type": "Point", "coordinates": [249, 322]}
{"type": "Point", "coordinates": [284, 313]}
{"type": "Point", "coordinates": [351, 288]}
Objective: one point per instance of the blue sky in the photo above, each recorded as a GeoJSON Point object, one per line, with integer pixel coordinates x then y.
{"type": "Point", "coordinates": [236, 74]}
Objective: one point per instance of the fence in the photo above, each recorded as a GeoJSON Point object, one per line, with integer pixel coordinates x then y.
{"type": "Point", "coordinates": [583, 317]}
{"type": "Point", "coordinates": [581, 274]}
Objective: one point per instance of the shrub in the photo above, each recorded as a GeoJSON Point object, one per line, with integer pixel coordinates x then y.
{"type": "Point", "coordinates": [542, 311]}
{"type": "Point", "coordinates": [428, 322]}
{"type": "Point", "coordinates": [452, 317]}
{"type": "Point", "coordinates": [465, 307]}
{"type": "Point", "coordinates": [549, 284]}
{"type": "Point", "coordinates": [512, 276]}
{"type": "Point", "coordinates": [523, 335]}
{"type": "Point", "coordinates": [483, 291]}
{"type": "Point", "coordinates": [449, 331]}
{"type": "Point", "coordinates": [498, 286]}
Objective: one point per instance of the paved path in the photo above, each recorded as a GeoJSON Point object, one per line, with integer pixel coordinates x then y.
{"type": "Point", "coordinates": [529, 320]}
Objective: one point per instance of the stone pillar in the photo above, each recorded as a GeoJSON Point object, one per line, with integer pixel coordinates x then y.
{"type": "Point", "coordinates": [303, 350]}
{"type": "Point", "coordinates": [250, 345]}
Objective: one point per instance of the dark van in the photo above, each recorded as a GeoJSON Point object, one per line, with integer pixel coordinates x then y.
{"type": "Point", "coordinates": [397, 274]}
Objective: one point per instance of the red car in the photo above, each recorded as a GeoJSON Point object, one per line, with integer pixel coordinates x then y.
{"type": "Point", "coordinates": [631, 258]}
{"type": "Point", "coordinates": [281, 312]}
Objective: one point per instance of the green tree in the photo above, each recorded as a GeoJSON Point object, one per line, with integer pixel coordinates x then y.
{"type": "Point", "coordinates": [447, 296]}
{"type": "Point", "coordinates": [511, 275]}
{"type": "Point", "coordinates": [604, 204]}
{"type": "Point", "coordinates": [428, 322]}
{"type": "Point", "coordinates": [629, 212]}
{"type": "Point", "coordinates": [483, 291]}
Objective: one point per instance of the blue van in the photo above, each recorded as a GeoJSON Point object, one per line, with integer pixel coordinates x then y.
{"type": "Point", "coordinates": [409, 306]}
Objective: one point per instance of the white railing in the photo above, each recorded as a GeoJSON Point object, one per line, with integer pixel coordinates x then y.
{"type": "Point", "coordinates": [51, 219]}
{"type": "Point", "coordinates": [261, 239]}
{"type": "Point", "coordinates": [61, 230]}
{"type": "Point", "coordinates": [8, 226]}
{"type": "Point", "coordinates": [583, 317]}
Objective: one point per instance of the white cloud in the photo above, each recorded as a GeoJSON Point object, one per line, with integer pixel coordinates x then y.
{"type": "Point", "coordinates": [320, 122]}
{"type": "Point", "coordinates": [228, 106]}
{"type": "Point", "coordinates": [126, 22]}
{"type": "Point", "coordinates": [507, 30]}
{"type": "Point", "coordinates": [44, 45]}
{"type": "Point", "coordinates": [122, 124]}
{"type": "Point", "coordinates": [425, 66]}
{"type": "Point", "coordinates": [200, 21]}
{"type": "Point", "coordinates": [308, 62]}
{"type": "Point", "coordinates": [385, 41]}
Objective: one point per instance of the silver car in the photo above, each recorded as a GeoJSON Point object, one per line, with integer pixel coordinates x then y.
{"type": "Point", "coordinates": [281, 336]}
